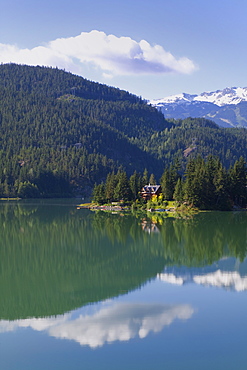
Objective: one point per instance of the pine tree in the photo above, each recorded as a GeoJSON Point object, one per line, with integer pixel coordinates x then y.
{"type": "Point", "coordinates": [238, 183]}
{"type": "Point", "coordinates": [193, 182]}
{"type": "Point", "coordinates": [135, 185]}
{"type": "Point", "coordinates": [166, 185]}
{"type": "Point", "coordinates": [111, 182]}
{"type": "Point", "coordinates": [168, 181]}
{"type": "Point", "coordinates": [122, 189]}
{"type": "Point", "coordinates": [152, 180]}
{"type": "Point", "coordinates": [221, 187]}
{"type": "Point", "coordinates": [99, 194]}
{"type": "Point", "coordinates": [178, 195]}
{"type": "Point", "coordinates": [145, 177]}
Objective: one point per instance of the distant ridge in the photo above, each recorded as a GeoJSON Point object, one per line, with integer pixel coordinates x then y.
{"type": "Point", "coordinates": [227, 107]}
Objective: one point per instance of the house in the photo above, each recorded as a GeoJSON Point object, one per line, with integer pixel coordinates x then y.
{"type": "Point", "coordinates": [149, 190]}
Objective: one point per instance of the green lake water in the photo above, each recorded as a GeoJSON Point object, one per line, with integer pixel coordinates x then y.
{"type": "Point", "coordinates": [85, 290]}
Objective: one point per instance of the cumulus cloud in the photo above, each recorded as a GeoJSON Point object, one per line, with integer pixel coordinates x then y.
{"type": "Point", "coordinates": [39, 324]}
{"type": "Point", "coordinates": [112, 55]}
{"type": "Point", "coordinates": [222, 279]}
{"type": "Point", "coordinates": [41, 55]}
{"type": "Point", "coordinates": [120, 322]}
{"type": "Point", "coordinates": [231, 280]}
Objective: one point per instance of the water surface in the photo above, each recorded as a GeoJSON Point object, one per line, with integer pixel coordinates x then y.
{"type": "Point", "coordinates": [85, 290]}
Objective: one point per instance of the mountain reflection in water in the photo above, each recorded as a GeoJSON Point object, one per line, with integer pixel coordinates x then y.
{"type": "Point", "coordinates": [55, 259]}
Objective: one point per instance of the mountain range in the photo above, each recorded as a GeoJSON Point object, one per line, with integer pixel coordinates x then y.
{"type": "Point", "coordinates": [227, 108]}
{"type": "Point", "coordinates": [61, 134]}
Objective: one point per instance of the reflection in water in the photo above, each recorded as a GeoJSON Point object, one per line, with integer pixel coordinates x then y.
{"type": "Point", "coordinates": [171, 278]}
{"type": "Point", "coordinates": [119, 322]}
{"type": "Point", "coordinates": [229, 280]}
{"type": "Point", "coordinates": [223, 279]}
{"type": "Point", "coordinates": [227, 273]}
{"type": "Point", "coordinates": [55, 258]}
{"type": "Point", "coordinates": [149, 227]}
{"type": "Point", "coordinates": [39, 324]}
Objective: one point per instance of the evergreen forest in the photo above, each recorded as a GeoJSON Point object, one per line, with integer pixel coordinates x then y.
{"type": "Point", "coordinates": [61, 134]}
{"type": "Point", "coordinates": [205, 184]}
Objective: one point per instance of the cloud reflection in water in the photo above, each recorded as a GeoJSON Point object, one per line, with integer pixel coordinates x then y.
{"type": "Point", "coordinates": [221, 279]}
{"type": "Point", "coordinates": [119, 322]}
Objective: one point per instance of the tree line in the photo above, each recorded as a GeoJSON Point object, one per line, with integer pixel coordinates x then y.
{"type": "Point", "coordinates": [205, 184]}
{"type": "Point", "coordinates": [73, 132]}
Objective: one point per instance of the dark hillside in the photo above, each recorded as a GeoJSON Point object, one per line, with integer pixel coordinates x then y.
{"type": "Point", "coordinates": [199, 136]}
{"type": "Point", "coordinates": [61, 133]}
{"type": "Point", "coordinates": [52, 121]}
{"type": "Point", "coordinates": [53, 82]}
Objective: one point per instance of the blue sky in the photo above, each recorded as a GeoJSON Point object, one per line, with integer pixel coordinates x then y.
{"type": "Point", "coordinates": [152, 49]}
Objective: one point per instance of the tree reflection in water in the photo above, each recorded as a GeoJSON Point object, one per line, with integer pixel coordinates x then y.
{"type": "Point", "coordinates": [55, 259]}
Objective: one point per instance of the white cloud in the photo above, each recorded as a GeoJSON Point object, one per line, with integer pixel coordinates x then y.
{"type": "Point", "coordinates": [171, 278]}
{"type": "Point", "coordinates": [219, 278]}
{"type": "Point", "coordinates": [222, 279]}
{"type": "Point", "coordinates": [120, 322]}
{"type": "Point", "coordinates": [112, 55]}
{"type": "Point", "coordinates": [40, 55]}
{"type": "Point", "coordinates": [38, 324]}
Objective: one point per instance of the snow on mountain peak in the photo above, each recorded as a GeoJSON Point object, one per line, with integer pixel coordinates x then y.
{"type": "Point", "coordinates": [233, 95]}
{"type": "Point", "coordinates": [177, 99]}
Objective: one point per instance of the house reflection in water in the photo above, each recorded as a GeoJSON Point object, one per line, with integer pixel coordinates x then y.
{"type": "Point", "coordinates": [149, 227]}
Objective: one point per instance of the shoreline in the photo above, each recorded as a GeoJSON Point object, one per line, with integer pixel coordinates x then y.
{"type": "Point", "coordinates": [121, 208]}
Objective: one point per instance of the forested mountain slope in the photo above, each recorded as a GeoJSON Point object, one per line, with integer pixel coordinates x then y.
{"type": "Point", "coordinates": [199, 136]}
{"type": "Point", "coordinates": [57, 123]}
{"type": "Point", "coordinates": [61, 133]}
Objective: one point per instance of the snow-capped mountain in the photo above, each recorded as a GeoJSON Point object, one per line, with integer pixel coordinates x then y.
{"type": "Point", "coordinates": [226, 107]}
{"type": "Point", "coordinates": [234, 95]}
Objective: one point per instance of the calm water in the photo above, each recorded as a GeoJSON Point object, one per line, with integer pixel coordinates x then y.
{"type": "Point", "coordinates": [84, 290]}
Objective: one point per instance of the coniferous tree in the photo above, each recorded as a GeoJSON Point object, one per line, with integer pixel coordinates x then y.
{"type": "Point", "coordinates": [168, 181]}
{"type": "Point", "coordinates": [28, 190]}
{"type": "Point", "coordinates": [238, 183]}
{"type": "Point", "coordinates": [135, 185]}
{"type": "Point", "coordinates": [152, 180]}
{"type": "Point", "coordinates": [111, 182]}
{"type": "Point", "coordinates": [222, 188]}
{"type": "Point", "coordinates": [193, 186]}
{"type": "Point", "coordinates": [166, 185]}
{"type": "Point", "coordinates": [178, 195]}
{"type": "Point", "coordinates": [145, 177]}
{"type": "Point", "coordinates": [122, 190]}
{"type": "Point", "coordinates": [99, 194]}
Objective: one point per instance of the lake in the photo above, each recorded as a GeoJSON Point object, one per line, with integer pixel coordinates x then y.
{"type": "Point", "coordinates": [94, 290]}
